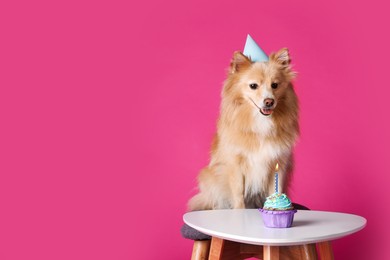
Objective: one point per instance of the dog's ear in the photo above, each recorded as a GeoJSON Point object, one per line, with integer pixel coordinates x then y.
{"type": "Point", "coordinates": [239, 62]}
{"type": "Point", "coordinates": [282, 57]}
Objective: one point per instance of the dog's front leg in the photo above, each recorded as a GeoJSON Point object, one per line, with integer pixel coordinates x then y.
{"type": "Point", "coordinates": [236, 181]}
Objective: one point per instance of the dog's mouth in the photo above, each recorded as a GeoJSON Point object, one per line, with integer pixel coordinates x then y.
{"type": "Point", "coordinates": [266, 111]}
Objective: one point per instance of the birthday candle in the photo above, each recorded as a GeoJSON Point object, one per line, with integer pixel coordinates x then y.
{"type": "Point", "coordinates": [276, 178]}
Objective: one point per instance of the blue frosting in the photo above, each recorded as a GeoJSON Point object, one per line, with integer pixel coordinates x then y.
{"type": "Point", "coordinates": [278, 201]}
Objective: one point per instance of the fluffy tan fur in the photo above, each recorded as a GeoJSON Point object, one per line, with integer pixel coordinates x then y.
{"type": "Point", "coordinates": [251, 136]}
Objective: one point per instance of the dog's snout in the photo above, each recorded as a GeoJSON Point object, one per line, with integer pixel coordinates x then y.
{"type": "Point", "coordinates": [269, 102]}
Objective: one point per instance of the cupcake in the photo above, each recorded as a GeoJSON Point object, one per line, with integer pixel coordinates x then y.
{"type": "Point", "coordinates": [278, 212]}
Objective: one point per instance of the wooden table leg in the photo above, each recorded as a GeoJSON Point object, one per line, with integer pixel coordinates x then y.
{"type": "Point", "coordinates": [200, 250]}
{"type": "Point", "coordinates": [270, 253]}
{"type": "Point", "coordinates": [325, 250]}
{"type": "Point", "coordinates": [216, 248]}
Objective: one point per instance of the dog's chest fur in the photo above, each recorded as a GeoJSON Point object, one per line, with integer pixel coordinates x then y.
{"type": "Point", "coordinates": [257, 167]}
{"type": "Point", "coordinates": [259, 163]}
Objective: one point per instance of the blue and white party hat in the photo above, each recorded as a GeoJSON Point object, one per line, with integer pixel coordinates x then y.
{"type": "Point", "coordinates": [253, 51]}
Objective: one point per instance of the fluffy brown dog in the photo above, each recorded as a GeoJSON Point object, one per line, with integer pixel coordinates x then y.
{"type": "Point", "coordinates": [257, 128]}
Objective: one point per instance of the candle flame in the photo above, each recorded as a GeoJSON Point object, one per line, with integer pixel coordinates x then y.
{"type": "Point", "coordinates": [277, 167]}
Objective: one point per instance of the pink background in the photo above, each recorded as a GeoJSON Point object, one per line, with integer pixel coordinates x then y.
{"type": "Point", "coordinates": [107, 110]}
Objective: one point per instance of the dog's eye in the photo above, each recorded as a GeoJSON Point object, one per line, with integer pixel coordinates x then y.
{"type": "Point", "coordinates": [274, 85]}
{"type": "Point", "coordinates": [253, 86]}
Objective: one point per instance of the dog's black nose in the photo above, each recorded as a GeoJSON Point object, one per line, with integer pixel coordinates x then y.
{"type": "Point", "coordinates": [269, 102]}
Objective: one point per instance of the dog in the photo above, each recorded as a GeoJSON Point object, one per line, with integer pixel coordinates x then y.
{"type": "Point", "coordinates": [257, 129]}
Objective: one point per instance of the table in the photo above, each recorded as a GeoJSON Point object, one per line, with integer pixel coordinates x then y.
{"type": "Point", "coordinates": [246, 226]}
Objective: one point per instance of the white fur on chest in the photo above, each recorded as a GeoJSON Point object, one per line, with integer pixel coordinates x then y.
{"type": "Point", "coordinates": [263, 125]}
{"type": "Point", "coordinates": [256, 174]}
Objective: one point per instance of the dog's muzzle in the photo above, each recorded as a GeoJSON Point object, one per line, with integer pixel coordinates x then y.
{"type": "Point", "coordinates": [268, 107]}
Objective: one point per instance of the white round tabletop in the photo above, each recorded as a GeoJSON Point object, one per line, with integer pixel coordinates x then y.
{"type": "Point", "coordinates": [246, 226]}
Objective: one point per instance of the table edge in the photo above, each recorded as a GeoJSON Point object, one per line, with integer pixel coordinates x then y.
{"type": "Point", "coordinates": [280, 242]}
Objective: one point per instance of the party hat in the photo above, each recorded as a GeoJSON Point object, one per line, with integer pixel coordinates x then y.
{"type": "Point", "coordinates": [253, 51]}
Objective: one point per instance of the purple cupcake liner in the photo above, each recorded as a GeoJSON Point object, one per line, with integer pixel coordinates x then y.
{"type": "Point", "coordinates": [278, 218]}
